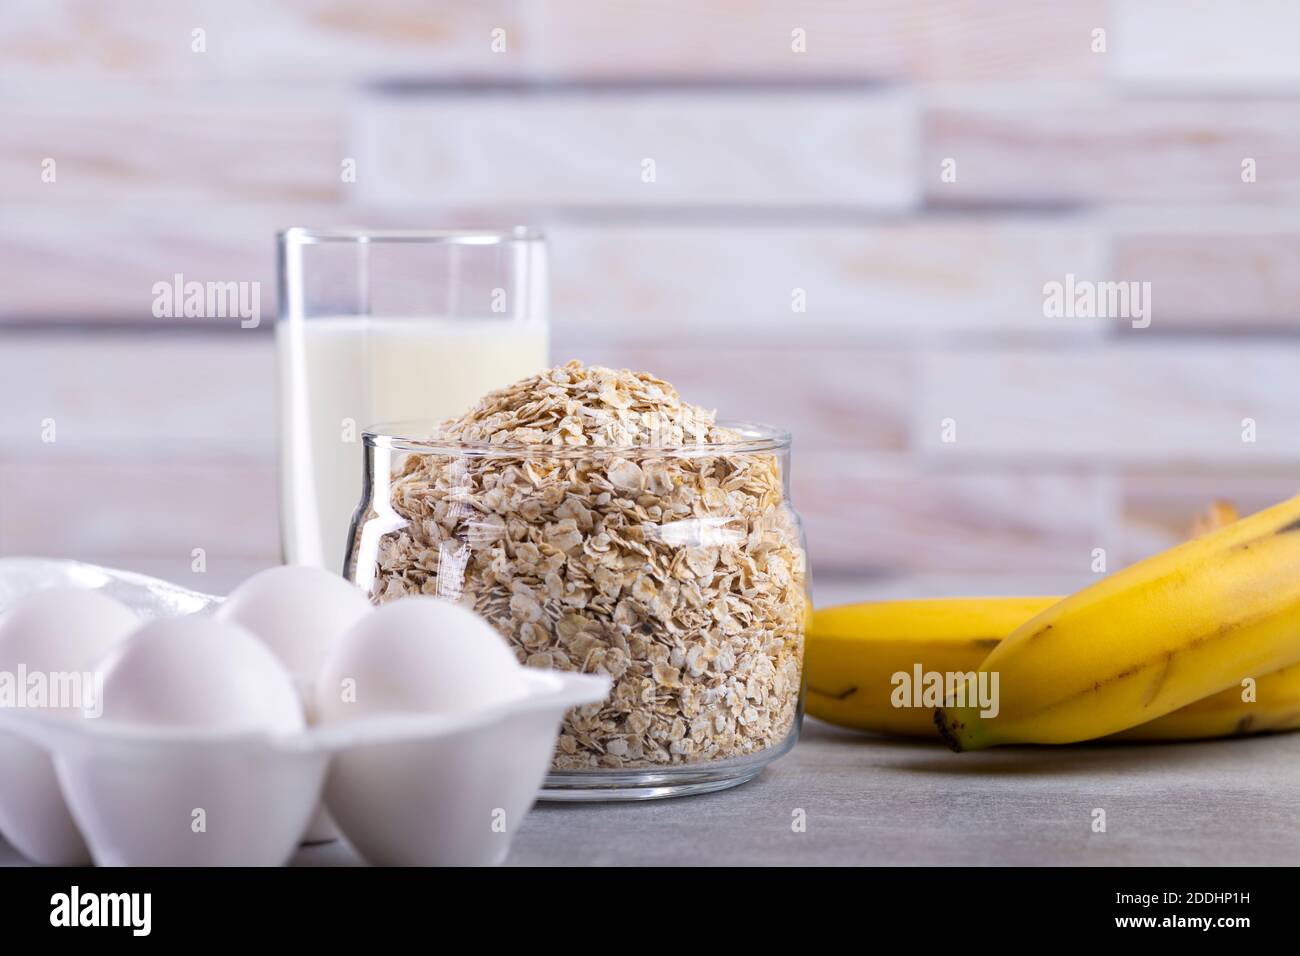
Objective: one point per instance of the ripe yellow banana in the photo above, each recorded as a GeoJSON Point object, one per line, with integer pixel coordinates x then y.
{"type": "Point", "coordinates": [854, 652]}
{"type": "Point", "coordinates": [1154, 637]}
{"type": "Point", "coordinates": [1275, 706]}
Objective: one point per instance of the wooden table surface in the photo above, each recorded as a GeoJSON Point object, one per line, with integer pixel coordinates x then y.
{"type": "Point", "coordinates": [872, 801]}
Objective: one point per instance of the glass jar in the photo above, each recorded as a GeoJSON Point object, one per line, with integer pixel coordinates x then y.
{"type": "Point", "coordinates": [679, 571]}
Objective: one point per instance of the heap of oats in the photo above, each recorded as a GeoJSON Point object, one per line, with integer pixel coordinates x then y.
{"type": "Point", "coordinates": [679, 575]}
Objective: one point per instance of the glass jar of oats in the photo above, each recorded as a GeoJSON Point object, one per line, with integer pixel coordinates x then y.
{"type": "Point", "coordinates": [602, 525]}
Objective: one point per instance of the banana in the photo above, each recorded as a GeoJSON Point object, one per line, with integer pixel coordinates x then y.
{"type": "Point", "coordinates": [1275, 707]}
{"type": "Point", "coordinates": [854, 651]}
{"type": "Point", "coordinates": [1151, 638]}
{"type": "Point", "coordinates": [1216, 515]}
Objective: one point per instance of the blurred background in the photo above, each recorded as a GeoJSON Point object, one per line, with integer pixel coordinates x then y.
{"type": "Point", "coordinates": [855, 210]}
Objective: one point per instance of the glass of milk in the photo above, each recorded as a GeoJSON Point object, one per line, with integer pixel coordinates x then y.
{"type": "Point", "coordinates": [378, 325]}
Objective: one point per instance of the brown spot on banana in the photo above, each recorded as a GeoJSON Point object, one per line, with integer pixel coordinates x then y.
{"type": "Point", "coordinates": [1160, 680]}
{"type": "Point", "coordinates": [1038, 633]}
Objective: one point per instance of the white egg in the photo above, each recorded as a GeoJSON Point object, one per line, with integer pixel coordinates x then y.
{"type": "Point", "coordinates": [63, 631]}
{"type": "Point", "coordinates": [419, 654]}
{"type": "Point", "coordinates": [298, 612]}
{"type": "Point", "coordinates": [199, 672]}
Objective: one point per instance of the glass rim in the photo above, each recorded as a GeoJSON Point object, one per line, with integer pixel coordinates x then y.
{"type": "Point", "coordinates": [398, 436]}
{"type": "Point", "coordinates": [311, 235]}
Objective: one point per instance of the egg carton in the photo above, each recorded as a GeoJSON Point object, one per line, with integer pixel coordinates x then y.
{"type": "Point", "coordinates": [405, 789]}
{"type": "Point", "coordinates": [147, 597]}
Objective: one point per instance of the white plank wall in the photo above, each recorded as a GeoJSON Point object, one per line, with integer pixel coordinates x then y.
{"type": "Point", "coordinates": [159, 146]}
{"type": "Point", "coordinates": [311, 42]}
{"type": "Point", "coordinates": [336, 41]}
{"type": "Point", "coordinates": [149, 506]}
{"type": "Point", "coordinates": [1207, 282]}
{"type": "Point", "coordinates": [98, 261]}
{"type": "Point", "coordinates": [823, 171]}
{"type": "Point", "coordinates": [1247, 44]}
{"type": "Point", "coordinates": [138, 395]}
{"type": "Point", "coordinates": [1091, 145]}
{"type": "Point", "coordinates": [840, 148]}
{"type": "Point", "coordinates": [887, 514]}
{"type": "Point", "coordinates": [1181, 404]}
{"type": "Point", "coordinates": [881, 283]}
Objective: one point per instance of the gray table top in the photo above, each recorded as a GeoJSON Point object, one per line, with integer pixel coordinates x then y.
{"type": "Point", "coordinates": [886, 802]}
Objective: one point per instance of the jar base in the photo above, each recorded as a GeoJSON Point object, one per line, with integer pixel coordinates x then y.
{"type": "Point", "coordinates": [609, 788]}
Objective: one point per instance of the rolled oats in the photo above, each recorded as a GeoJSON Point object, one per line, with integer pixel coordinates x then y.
{"type": "Point", "coordinates": [678, 573]}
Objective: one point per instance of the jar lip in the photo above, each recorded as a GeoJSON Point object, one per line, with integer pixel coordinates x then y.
{"type": "Point", "coordinates": [400, 436]}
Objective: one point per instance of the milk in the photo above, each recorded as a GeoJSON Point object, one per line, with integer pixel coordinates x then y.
{"type": "Point", "coordinates": [339, 375]}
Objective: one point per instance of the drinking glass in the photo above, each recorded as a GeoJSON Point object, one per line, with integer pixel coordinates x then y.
{"type": "Point", "coordinates": [390, 324]}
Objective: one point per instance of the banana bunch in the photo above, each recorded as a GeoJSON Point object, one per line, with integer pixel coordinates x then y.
{"type": "Point", "coordinates": [854, 653]}
{"type": "Point", "coordinates": [1200, 641]}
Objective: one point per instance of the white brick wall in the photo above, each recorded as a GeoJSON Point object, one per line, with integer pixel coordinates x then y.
{"type": "Point", "coordinates": [775, 170]}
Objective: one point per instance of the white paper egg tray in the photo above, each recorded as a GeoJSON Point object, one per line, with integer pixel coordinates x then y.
{"type": "Point", "coordinates": [405, 789]}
